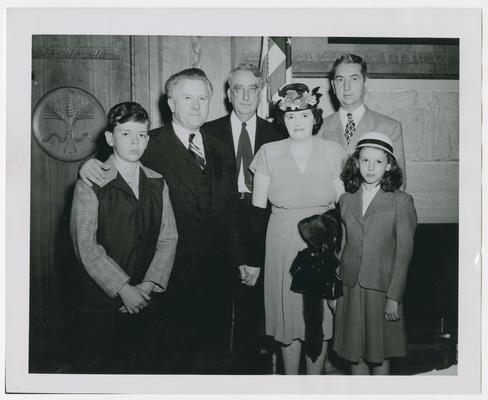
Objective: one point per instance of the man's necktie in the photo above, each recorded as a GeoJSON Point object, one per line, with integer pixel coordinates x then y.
{"type": "Point", "coordinates": [350, 128]}
{"type": "Point", "coordinates": [196, 152]}
{"type": "Point", "coordinates": [244, 153]}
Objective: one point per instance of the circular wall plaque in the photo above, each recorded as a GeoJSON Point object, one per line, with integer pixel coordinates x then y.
{"type": "Point", "coordinates": [67, 122]}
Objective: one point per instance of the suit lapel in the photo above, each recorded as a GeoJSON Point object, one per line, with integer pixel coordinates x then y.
{"type": "Point", "coordinates": [355, 202]}
{"type": "Point", "coordinates": [259, 140]}
{"type": "Point", "coordinates": [338, 129]}
{"type": "Point", "coordinates": [179, 159]}
{"type": "Point", "coordinates": [228, 139]}
{"type": "Point", "coordinates": [122, 185]}
{"type": "Point", "coordinates": [366, 124]}
{"type": "Point", "coordinates": [145, 185]}
{"type": "Point", "coordinates": [378, 201]}
{"type": "Point", "coordinates": [116, 180]}
{"type": "Point", "coordinates": [226, 135]}
{"type": "Point", "coordinates": [214, 165]}
{"type": "Point", "coordinates": [212, 158]}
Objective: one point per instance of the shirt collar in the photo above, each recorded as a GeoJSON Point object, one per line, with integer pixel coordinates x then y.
{"type": "Point", "coordinates": [357, 114]}
{"type": "Point", "coordinates": [367, 189]}
{"type": "Point", "coordinates": [181, 130]}
{"type": "Point", "coordinates": [183, 135]}
{"type": "Point", "coordinates": [236, 127]}
{"type": "Point", "coordinates": [237, 123]}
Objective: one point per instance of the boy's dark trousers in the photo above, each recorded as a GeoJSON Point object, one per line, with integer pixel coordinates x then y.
{"type": "Point", "coordinates": [121, 342]}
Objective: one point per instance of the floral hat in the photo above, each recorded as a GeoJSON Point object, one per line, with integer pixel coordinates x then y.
{"type": "Point", "coordinates": [296, 96]}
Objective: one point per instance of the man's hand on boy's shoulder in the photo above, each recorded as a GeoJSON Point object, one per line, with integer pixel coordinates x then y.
{"type": "Point", "coordinates": [132, 298]}
{"type": "Point", "coordinates": [96, 171]}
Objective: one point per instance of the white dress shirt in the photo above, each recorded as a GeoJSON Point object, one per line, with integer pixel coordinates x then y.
{"type": "Point", "coordinates": [357, 114]}
{"type": "Point", "coordinates": [368, 195]}
{"type": "Point", "coordinates": [236, 125]}
{"type": "Point", "coordinates": [130, 177]}
{"type": "Point", "coordinates": [183, 135]}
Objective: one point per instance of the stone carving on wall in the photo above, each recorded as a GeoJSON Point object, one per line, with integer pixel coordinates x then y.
{"type": "Point", "coordinates": [381, 64]}
{"type": "Point", "coordinates": [430, 121]}
{"type": "Point", "coordinates": [408, 58]}
{"type": "Point", "coordinates": [431, 201]}
{"type": "Point", "coordinates": [67, 122]}
{"type": "Point", "coordinates": [313, 57]}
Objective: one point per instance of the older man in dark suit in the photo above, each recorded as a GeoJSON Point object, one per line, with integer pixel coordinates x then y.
{"type": "Point", "coordinates": [198, 170]}
{"type": "Point", "coordinates": [244, 133]}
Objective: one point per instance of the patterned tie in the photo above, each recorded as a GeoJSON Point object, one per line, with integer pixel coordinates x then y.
{"type": "Point", "coordinates": [244, 153]}
{"type": "Point", "coordinates": [196, 152]}
{"type": "Point", "coordinates": [350, 128]}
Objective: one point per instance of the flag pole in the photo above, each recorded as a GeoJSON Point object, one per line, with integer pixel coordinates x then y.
{"type": "Point", "coordinates": [263, 64]}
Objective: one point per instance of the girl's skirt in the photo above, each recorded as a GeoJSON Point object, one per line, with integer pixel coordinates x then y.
{"type": "Point", "coordinates": [361, 330]}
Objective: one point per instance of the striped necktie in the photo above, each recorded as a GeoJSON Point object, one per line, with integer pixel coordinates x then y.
{"type": "Point", "coordinates": [350, 128]}
{"type": "Point", "coordinates": [196, 152]}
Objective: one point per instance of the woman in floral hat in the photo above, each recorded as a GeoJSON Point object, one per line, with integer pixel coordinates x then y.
{"type": "Point", "coordinates": [300, 177]}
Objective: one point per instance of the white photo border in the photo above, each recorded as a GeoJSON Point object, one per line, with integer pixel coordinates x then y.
{"type": "Point", "coordinates": [464, 24]}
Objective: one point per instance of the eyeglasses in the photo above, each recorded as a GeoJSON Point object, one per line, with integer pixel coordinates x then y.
{"type": "Point", "coordinates": [240, 90]}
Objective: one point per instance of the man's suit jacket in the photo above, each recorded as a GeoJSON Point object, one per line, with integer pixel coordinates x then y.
{"type": "Point", "coordinates": [203, 202]}
{"type": "Point", "coordinates": [379, 245]}
{"type": "Point", "coordinates": [221, 129]}
{"type": "Point", "coordinates": [332, 129]}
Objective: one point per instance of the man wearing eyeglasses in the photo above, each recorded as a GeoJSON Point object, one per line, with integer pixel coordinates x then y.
{"type": "Point", "coordinates": [244, 133]}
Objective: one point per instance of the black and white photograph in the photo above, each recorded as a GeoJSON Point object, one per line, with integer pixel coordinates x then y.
{"type": "Point", "coordinates": [229, 208]}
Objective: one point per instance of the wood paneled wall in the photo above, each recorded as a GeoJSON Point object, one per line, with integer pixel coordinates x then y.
{"type": "Point", "coordinates": [159, 57]}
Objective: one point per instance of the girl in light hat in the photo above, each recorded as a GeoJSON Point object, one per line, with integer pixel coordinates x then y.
{"type": "Point", "coordinates": [380, 223]}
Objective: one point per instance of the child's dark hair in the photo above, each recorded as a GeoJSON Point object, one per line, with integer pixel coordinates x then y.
{"type": "Point", "coordinates": [127, 111]}
{"type": "Point", "coordinates": [351, 176]}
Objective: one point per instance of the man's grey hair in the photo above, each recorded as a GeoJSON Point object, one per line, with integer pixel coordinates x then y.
{"type": "Point", "coordinates": [246, 67]}
{"type": "Point", "coordinates": [189, 73]}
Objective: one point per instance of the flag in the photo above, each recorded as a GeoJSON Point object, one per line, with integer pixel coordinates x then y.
{"type": "Point", "coordinates": [276, 69]}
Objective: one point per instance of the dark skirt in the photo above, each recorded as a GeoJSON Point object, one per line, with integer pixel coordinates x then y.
{"type": "Point", "coordinates": [361, 331]}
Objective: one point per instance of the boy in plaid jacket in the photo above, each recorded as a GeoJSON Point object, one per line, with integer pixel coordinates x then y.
{"type": "Point", "coordinates": [125, 237]}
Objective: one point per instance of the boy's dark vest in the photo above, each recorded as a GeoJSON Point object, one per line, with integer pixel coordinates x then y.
{"type": "Point", "coordinates": [128, 230]}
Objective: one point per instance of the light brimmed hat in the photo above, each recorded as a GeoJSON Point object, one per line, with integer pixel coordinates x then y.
{"type": "Point", "coordinates": [376, 139]}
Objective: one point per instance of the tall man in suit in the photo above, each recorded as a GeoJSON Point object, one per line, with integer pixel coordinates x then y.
{"type": "Point", "coordinates": [349, 81]}
{"type": "Point", "coordinates": [198, 170]}
{"type": "Point", "coordinates": [244, 133]}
